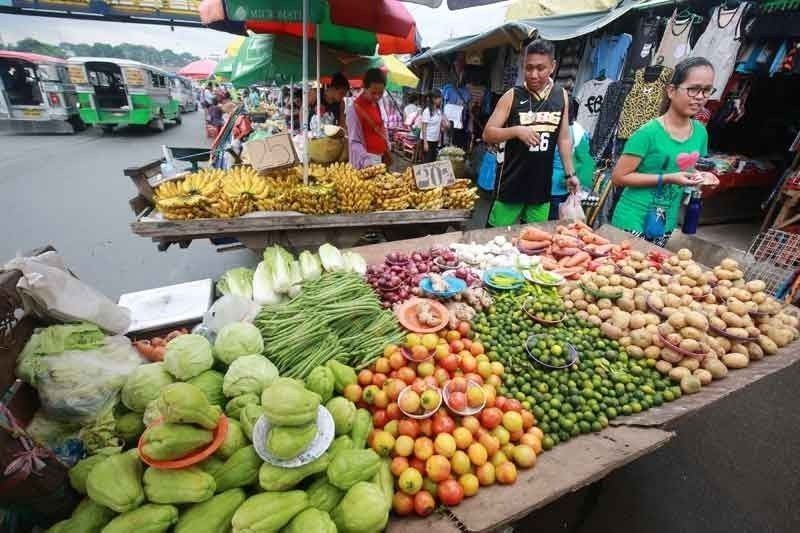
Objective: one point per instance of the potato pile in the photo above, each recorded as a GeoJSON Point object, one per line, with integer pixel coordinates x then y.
{"type": "Point", "coordinates": [695, 323]}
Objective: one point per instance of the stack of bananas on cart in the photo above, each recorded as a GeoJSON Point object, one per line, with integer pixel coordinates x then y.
{"type": "Point", "coordinates": [428, 199]}
{"type": "Point", "coordinates": [460, 195]}
{"type": "Point", "coordinates": [392, 192]}
{"type": "Point", "coordinates": [186, 198]}
{"type": "Point", "coordinates": [354, 192]}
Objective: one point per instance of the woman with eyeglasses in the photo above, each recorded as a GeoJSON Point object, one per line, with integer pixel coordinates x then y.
{"type": "Point", "coordinates": [657, 162]}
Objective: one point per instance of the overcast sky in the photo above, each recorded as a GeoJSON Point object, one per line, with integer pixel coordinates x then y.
{"type": "Point", "coordinates": [434, 25]}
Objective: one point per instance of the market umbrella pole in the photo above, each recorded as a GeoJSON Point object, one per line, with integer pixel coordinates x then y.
{"type": "Point", "coordinates": [291, 106]}
{"type": "Point", "coordinates": [319, 104]}
{"type": "Point", "coordinates": [304, 111]}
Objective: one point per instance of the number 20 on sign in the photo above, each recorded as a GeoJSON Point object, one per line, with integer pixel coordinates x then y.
{"type": "Point", "coordinates": [436, 174]}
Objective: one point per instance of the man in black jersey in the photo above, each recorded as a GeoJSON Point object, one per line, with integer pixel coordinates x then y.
{"type": "Point", "coordinates": [531, 119]}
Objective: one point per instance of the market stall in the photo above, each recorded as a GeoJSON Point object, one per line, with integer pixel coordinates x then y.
{"type": "Point", "coordinates": [343, 206]}
{"type": "Point", "coordinates": [389, 411]}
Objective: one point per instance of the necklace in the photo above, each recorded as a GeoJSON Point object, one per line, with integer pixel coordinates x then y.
{"type": "Point", "coordinates": [672, 133]}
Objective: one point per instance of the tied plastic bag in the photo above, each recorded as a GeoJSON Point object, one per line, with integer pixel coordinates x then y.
{"type": "Point", "coordinates": [571, 209]}
{"type": "Point", "coordinates": [78, 386]}
{"type": "Point", "coordinates": [488, 172]}
{"type": "Point", "coordinates": [50, 291]}
{"type": "Point", "coordinates": [230, 308]}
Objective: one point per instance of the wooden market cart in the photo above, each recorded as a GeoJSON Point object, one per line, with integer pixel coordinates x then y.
{"type": "Point", "coordinates": [291, 229]}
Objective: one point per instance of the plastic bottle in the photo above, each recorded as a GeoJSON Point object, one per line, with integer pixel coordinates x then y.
{"type": "Point", "coordinates": [691, 216]}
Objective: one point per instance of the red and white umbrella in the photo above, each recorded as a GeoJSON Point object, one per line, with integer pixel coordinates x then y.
{"type": "Point", "coordinates": [199, 70]}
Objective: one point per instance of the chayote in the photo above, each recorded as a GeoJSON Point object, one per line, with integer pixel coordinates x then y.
{"type": "Point", "coordinates": [343, 412]}
{"type": "Point", "coordinates": [184, 485]}
{"type": "Point", "coordinates": [130, 427]}
{"type": "Point", "coordinates": [150, 518]}
{"type": "Point", "coordinates": [240, 470]}
{"type": "Point", "coordinates": [184, 403]}
{"type": "Point", "coordinates": [268, 511]}
{"type": "Point", "coordinates": [362, 427]}
{"type": "Point", "coordinates": [167, 442]}
{"type": "Point", "coordinates": [278, 478]}
{"type": "Point", "coordinates": [343, 375]}
{"type": "Point", "coordinates": [324, 496]}
{"type": "Point", "coordinates": [342, 442]}
{"type": "Point", "coordinates": [234, 407]}
{"type": "Point", "coordinates": [211, 465]}
{"type": "Point", "coordinates": [348, 467]}
{"type": "Point", "coordinates": [116, 483]}
{"type": "Point", "coordinates": [287, 442]}
{"type": "Point", "coordinates": [311, 520]}
{"type": "Point", "coordinates": [248, 417]}
{"type": "Point", "coordinates": [79, 472]}
{"type": "Point", "coordinates": [362, 509]}
{"type": "Point", "coordinates": [210, 382]}
{"type": "Point", "coordinates": [88, 516]}
{"type": "Point", "coordinates": [234, 440]}
{"type": "Point", "coordinates": [211, 516]}
{"type": "Point", "coordinates": [287, 402]}
{"type": "Point", "coordinates": [321, 381]}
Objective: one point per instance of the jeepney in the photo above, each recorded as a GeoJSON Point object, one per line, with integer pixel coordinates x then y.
{"type": "Point", "coordinates": [36, 95]}
{"type": "Point", "coordinates": [184, 92]}
{"type": "Point", "coordinates": [120, 92]}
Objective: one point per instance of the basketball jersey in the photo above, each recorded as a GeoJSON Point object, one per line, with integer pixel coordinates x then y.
{"type": "Point", "coordinates": [527, 172]}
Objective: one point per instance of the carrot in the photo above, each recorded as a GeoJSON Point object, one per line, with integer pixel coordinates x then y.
{"type": "Point", "coordinates": [577, 259]}
{"type": "Point", "coordinates": [561, 252]}
{"type": "Point", "coordinates": [534, 234]}
{"type": "Point", "coordinates": [158, 353]}
{"type": "Point", "coordinates": [157, 341]}
{"type": "Point", "coordinates": [566, 241]}
{"type": "Point", "coordinates": [529, 244]}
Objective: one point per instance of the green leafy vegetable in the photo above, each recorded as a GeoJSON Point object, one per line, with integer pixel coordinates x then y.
{"type": "Point", "coordinates": [238, 281]}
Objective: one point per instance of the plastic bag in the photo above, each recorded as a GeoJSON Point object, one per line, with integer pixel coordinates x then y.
{"type": "Point", "coordinates": [230, 308]}
{"type": "Point", "coordinates": [48, 289]}
{"type": "Point", "coordinates": [488, 171]}
{"type": "Point", "coordinates": [571, 209]}
{"type": "Point", "coordinates": [80, 385]}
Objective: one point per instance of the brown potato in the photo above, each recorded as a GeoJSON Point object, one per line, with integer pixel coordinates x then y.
{"type": "Point", "coordinates": [635, 351]}
{"type": "Point", "coordinates": [690, 362]}
{"type": "Point", "coordinates": [735, 360]}
{"type": "Point", "coordinates": [703, 375]}
{"type": "Point", "coordinates": [663, 366]}
{"type": "Point", "coordinates": [678, 373]}
{"type": "Point", "coordinates": [715, 367]}
{"type": "Point", "coordinates": [671, 356]}
{"type": "Point", "coordinates": [652, 352]}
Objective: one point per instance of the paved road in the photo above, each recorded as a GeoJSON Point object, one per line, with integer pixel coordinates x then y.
{"type": "Point", "coordinates": [69, 191]}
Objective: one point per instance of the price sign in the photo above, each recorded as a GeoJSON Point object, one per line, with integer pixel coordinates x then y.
{"type": "Point", "coordinates": [436, 174]}
{"type": "Point", "coordinates": [271, 152]}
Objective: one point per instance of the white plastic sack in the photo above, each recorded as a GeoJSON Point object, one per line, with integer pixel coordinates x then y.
{"type": "Point", "coordinates": [230, 308]}
{"type": "Point", "coordinates": [77, 386]}
{"type": "Point", "coordinates": [49, 290]}
{"type": "Point", "coordinates": [571, 209]}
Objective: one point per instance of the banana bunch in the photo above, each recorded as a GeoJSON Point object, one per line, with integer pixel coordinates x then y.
{"type": "Point", "coordinates": [428, 199]}
{"type": "Point", "coordinates": [392, 192]}
{"type": "Point", "coordinates": [314, 199]}
{"type": "Point", "coordinates": [460, 197]}
{"type": "Point", "coordinates": [190, 197]}
{"type": "Point", "coordinates": [354, 193]}
{"type": "Point", "coordinates": [372, 171]}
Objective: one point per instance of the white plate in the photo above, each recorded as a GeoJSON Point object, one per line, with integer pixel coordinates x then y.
{"type": "Point", "coordinates": [324, 438]}
{"type": "Point", "coordinates": [529, 277]}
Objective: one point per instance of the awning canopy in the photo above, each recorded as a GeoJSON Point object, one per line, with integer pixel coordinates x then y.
{"type": "Point", "coordinates": [556, 28]}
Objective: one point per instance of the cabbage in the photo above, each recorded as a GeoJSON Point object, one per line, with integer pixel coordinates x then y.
{"type": "Point", "coordinates": [263, 293]}
{"type": "Point", "coordinates": [144, 385]}
{"type": "Point", "coordinates": [238, 281]}
{"type": "Point", "coordinates": [310, 267]}
{"type": "Point", "coordinates": [248, 374]}
{"type": "Point", "coordinates": [210, 382]}
{"type": "Point", "coordinates": [237, 339]}
{"type": "Point", "coordinates": [188, 356]}
{"type": "Point", "coordinates": [331, 258]}
{"type": "Point", "coordinates": [296, 279]}
{"type": "Point", "coordinates": [277, 252]}
{"type": "Point", "coordinates": [355, 263]}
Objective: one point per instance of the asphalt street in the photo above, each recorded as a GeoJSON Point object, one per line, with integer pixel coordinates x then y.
{"type": "Point", "coordinates": [69, 191]}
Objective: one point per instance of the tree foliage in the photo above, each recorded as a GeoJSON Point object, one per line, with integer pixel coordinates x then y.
{"type": "Point", "coordinates": [136, 52]}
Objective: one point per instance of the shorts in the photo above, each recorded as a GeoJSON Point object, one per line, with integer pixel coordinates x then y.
{"type": "Point", "coordinates": [508, 214]}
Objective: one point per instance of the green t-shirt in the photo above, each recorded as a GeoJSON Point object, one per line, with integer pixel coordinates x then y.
{"type": "Point", "coordinates": [659, 153]}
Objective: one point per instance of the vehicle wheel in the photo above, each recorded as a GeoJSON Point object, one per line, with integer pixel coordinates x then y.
{"type": "Point", "coordinates": [181, 109]}
{"type": "Point", "coordinates": [157, 124]}
{"type": "Point", "coordinates": [107, 128]}
{"type": "Point", "coordinates": [178, 120]}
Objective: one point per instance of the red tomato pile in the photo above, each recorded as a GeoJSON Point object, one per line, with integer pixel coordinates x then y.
{"type": "Point", "coordinates": [445, 457]}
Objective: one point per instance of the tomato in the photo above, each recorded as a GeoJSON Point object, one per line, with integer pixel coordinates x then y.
{"type": "Point", "coordinates": [407, 375]}
{"type": "Point", "coordinates": [423, 448]}
{"type": "Point", "coordinates": [378, 379]}
{"type": "Point", "coordinates": [449, 363]}
{"type": "Point", "coordinates": [381, 399]}
{"type": "Point", "coordinates": [450, 492]}
{"type": "Point", "coordinates": [397, 361]}
{"type": "Point", "coordinates": [453, 335]}
{"type": "Point", "coordinates": [474, 377]}
{"type": "Point", "coordinates": [463, 328]}
{"type": "Point", "coordinates": [409, 427]}
{"type": "Point", "coordinates": [410, 481]}
{"type": "Point", "coordinates": [476, 348]}
{"type": "Point", "coordinates": [393, 386]}
{"type": "Point", "coordinates": [441, 375]}
{"type": "Point", "coordinates": [426, 427]}
{"type": "Point", "coordinates": [442, 423]}
{"type": "Point", "coordinates": [500, 402]}
{"type": "Point", "coordinates": [424, 503]}
{"type": "Point", "coordinates": [393, 411]}
{"type": "Point", "coordinates": [468, 363]}
{"type": "Point", "coordinates": [402, 504]}
{"type": "Point", "coordinates": [365, 378]}
{"type": "Point", "coordinates": [417, 464]}
{"type": "Point", "coordinates": [391, 427]}
{"type": "Point", "coordinates": [437, 467]}
{"type": "Point", "coordinates": [506, 473]}
{"type": "Point", "coordinates": [491, 417]}
{"type": "Point", "coordinates": [379, 418]}
{"type": "Point", "coordinates": [456, 346]}
{"type": "Point", "coordinates": [512, 405]}
{"type": "Point", "coordinates": [368, 394]}
{"type": "Point", "coordinates": [470, 484]}
{"type": "Point", "coordinates": [352, 392]}
{"type": "Point", "coordinates": [477, 454]}
{"type": "Point", "coordinates": [382, 365]}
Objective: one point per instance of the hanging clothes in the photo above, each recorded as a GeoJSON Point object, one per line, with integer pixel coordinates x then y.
{"type": "Point", "coordinates": [643, 46]}
{"type": "Point", "coordinates": [609, 55]}
{"type": "Point", "coordinates": [675, 42]}
{"type": "Point", "coordinates": [496, 76]}
{"type": "Point", "coordinates": [590, 100]}
{"type": "Point", "coordinates": [608, 119]}
{"type": "Point", "coordinates": [643, 103]}
{"type": "Point", "coordinates": [585, 66]}
{"type": "Point", "coordinates": [568, 61]}
{"type": "Point", "coordinates": [720, 44]}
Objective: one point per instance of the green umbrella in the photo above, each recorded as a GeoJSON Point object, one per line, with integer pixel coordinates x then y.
{"type": "Point", "coordinates": [267, 58]}
{"type": "Point", "coordinates": [225, 68]}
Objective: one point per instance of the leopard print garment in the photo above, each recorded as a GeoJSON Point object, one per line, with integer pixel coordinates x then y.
{"type": "Point", "coordinates": [643, 102]}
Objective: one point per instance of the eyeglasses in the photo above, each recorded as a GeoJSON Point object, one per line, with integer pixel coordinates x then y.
{"type": "Point", "coordinates": [695, 91]}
